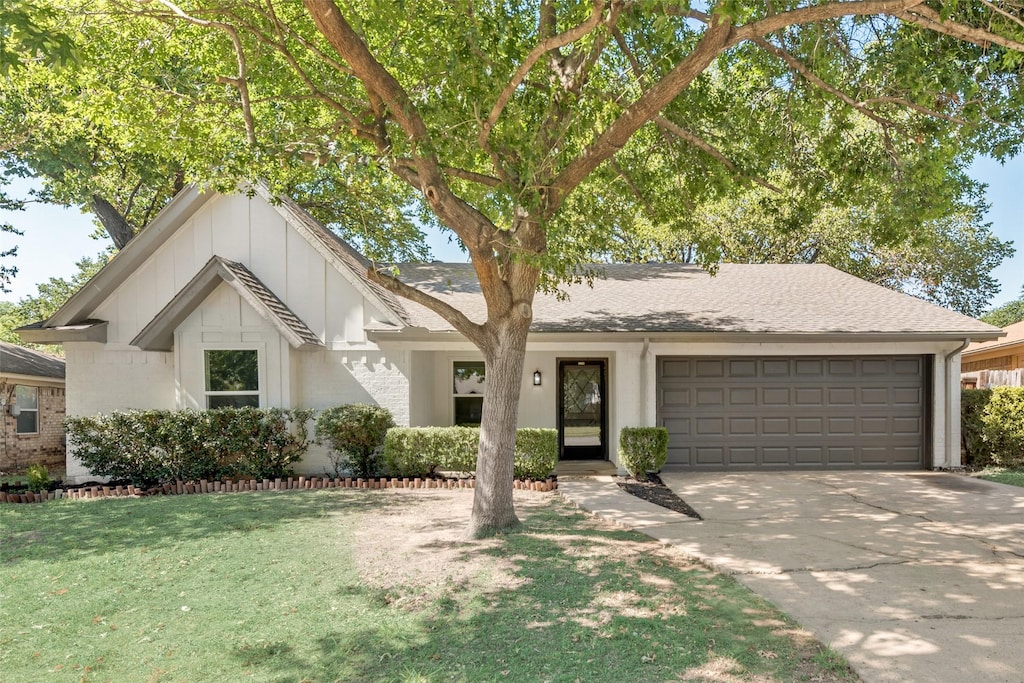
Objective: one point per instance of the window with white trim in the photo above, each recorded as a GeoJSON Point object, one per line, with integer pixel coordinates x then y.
{"type": "Point", "coordinates": [232, 378]}
{"type": "Point", "coordinates": [468, 380]}
{"type": "Point", "coordinates": [27, 401]}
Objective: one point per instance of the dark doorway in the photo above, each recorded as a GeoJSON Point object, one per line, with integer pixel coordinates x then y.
{"type": "Point", "coordinates": [582, 416]}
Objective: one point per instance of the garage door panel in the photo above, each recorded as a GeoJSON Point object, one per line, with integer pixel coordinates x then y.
{"type": "Point", "coordinates": [742, 426]}
{"type": "Point", "coordinates": [809, 396]}
{"type": "Point", "coordinates": [710, 397]}
{"type": "Point", "coordinates": [743, 368]}
{"type": "Point", "coordinates": [906, 426]}
{"type": "Point", "coordinates": [907, 366]}
{"type": "Point", "coordinates": [813, 426]}
{"type": "Point", "coordinates": [776, 413]}
{"type": "Point", "coordinates": [746, 455]}
{"type": "Point", "coordinates": [842, 367]}
{"type": "Point", "coordinates": [841, 455]}
{"type": "Point", "coordinates": [709, 368]}
{"type": "Point", "coordinates": [808, 455]}
{"type": "Point", "coordinates": [710, 455]}
{"type": "Point", "coordinates": [846, 396]}
{"type": "Point", "coordinates": [675, 398]}
{"type": "Point", "coordinates": [842, 426]}
{"type": "Point", "coordinates": [874, 396]}
{"type": "Point", "coordinates": [907, 396]}
{"type": "Point", "coordinates": [743, 397]}
{"type": "Point", "coordinates": [775, 396]}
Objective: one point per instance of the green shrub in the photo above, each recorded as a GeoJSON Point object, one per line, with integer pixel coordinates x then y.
{"type": "Point", "coordinates": [153, 446]}
{"type": "Point", "coordinates": [422, 451]}
{"type": "Point", "coordinates": [536, 453]}
{"type": "Point", "coordinates": [643, 450]}
{"type": "Point", "coordinates": [355, 434]}
{"type": "Point", "coordinates": [38, 477]}
{"type": "Point", "coordinates": [1004, 426]}
{"type": "Point", "coordinates": [977, 452]}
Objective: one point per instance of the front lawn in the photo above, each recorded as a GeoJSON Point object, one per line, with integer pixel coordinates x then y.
{"type": "Point", "coordinates": [1003, 475]}
{"type": "Point", "coordinates": [342, 585]}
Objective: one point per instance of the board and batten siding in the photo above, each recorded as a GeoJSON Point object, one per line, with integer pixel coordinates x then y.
{"type": "Point", "coordinates": [252, 232]}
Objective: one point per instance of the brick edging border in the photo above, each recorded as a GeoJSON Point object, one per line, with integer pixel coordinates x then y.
{"type": "Point", "coordinates": [203, 486]}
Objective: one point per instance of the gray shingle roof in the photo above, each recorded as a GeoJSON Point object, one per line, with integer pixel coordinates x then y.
{"type": "Point", "coordinates": [741, 298]}
{"type": "Point", "coordinates": [17, 360]}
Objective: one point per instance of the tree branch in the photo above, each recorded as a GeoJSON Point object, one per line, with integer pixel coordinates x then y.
{"type": "Point", "coordinates": [238, 81]}
{"type": "Point", "coordinates": [801, 68]}
{"type": "Point", "coordinates": [707, 148]}
{"type": "Point", "coordinates": [473, 331]}
{"type": "Point", "coordinates": [718, 36]}
{"type": "Point", "coordinates": [472, 227]}
{"type": "Point", "coordinates": [926, 17]}
{"type": "Point", "coordinates": [546, 45]}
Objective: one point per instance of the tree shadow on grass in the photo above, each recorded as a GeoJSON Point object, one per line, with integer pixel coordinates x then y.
{"type": "Point", "coordinates": [578, 602]}
{"type": "Point", "coordinates": [53, 530]}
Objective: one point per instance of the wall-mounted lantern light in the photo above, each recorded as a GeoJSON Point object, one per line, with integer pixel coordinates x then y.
{"type": "Point", "coordinates": [536, 378]}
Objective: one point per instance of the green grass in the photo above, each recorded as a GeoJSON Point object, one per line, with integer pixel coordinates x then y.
{"type": "Point", "coordinates": [1003, 475]}
{"type": "Point", "coordinates": [265, 587]}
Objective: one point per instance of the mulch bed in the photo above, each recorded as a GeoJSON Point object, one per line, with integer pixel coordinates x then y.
{"type": "Point", "coordinates": [654, 491]}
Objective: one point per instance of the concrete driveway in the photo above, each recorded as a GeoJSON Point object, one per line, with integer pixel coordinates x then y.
{"type": "Point", "coordinates": [912, 576]}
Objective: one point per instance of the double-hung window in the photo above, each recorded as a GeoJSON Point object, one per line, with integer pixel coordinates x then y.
{"type": "Point", "coordinates": [232, 378]}
{"type": "Point", "coordinates": [468, 379]}
{"type": "Point", "coordinates": [27, 401]}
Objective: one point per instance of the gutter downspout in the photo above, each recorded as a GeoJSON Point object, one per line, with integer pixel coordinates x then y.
{"type": "Point", "coordinates": [644, 400]}
{"type": "Point", "coordinates": [948, 374]}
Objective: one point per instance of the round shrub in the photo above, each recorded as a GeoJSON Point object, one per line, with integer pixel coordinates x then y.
{"type": "Point", "coordinates": [643, 450]}
{"type": "Point", "coordinates": [355, 434]}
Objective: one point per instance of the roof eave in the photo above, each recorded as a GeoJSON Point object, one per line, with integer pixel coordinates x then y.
{"type": "Point", "coordinates": [85, 331]}
{"type": "Point", "coordinates": [126, 261]}
{"type": "Point", "coordinates": [425, 334]}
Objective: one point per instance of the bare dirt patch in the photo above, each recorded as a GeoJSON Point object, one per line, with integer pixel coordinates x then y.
{"type": "Point", "coordinates": [417, 549]}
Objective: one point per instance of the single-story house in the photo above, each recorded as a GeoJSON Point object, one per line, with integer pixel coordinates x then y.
{"type": "Point", "coordinates": [780, 367]}
{"type": "Point", "coordinates": [32, 407]}
{"type": "Point", "coordinates": [998, 362]}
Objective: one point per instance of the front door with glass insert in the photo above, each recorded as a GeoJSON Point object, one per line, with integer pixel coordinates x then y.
{"type": "Point", "coordinates": [582, 420]}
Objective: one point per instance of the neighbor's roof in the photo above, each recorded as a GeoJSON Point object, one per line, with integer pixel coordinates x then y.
{"type": "Point", "coordinates": [17, 360]}
{"type": "Point", "coordinates": [741, 298]}
{"type": "Point", "coordinates": [1014, 335]}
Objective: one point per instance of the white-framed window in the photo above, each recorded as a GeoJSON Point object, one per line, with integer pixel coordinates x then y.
{"type": "Point", "coordinates": [468, 380]}
{"type": "Point", "coordinates": [27, 400]}
{"type": "Point", "coordinates": [232, 378]}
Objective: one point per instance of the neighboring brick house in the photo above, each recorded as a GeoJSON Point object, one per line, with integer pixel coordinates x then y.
{"type": "Point", "coordinates": [999, 362]}
{"type": "Point", "coordinates": [32, 398]}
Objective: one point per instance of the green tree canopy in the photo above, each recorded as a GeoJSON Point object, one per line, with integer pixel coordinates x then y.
{"type": "Point", "coordinates": [1007, 314]}
{"type": "Point", "coordinates": [538, 133]}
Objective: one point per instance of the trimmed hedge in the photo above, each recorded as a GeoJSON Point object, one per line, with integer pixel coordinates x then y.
{"type": "Point", "coordinates": [1004, 426]}
{"type": "Point", "coordinates": [355, 434]}
{"type": "Point", "coordinates": [977, 452]}
{"type": "Point", "coordinates": [643, 450]}
{"type": "Point", "coordinates": [422, 451]}
{"type": "Point", "coordinates": [155, 446]}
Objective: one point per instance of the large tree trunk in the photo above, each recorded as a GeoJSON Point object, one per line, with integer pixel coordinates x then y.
{"type": "Point", "coordinates": [120, 231]}
{"type": "Point", "coordinates": [493, 509]}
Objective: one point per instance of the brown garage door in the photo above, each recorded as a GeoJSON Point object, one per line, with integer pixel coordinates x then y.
{"type": "Point", "coordinates": [786, 413]}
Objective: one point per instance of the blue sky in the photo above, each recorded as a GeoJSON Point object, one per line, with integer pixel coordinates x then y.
{"type": "Point", "coordinates": [56, 238]}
